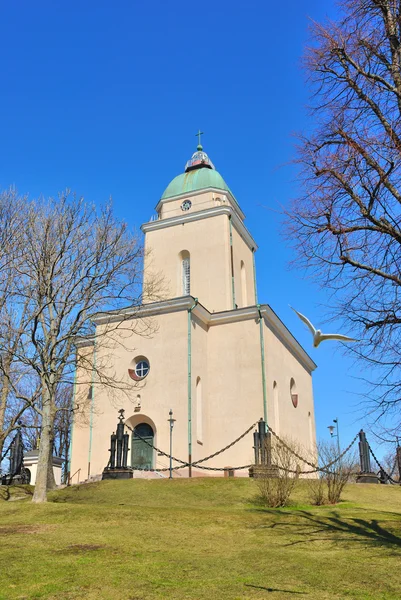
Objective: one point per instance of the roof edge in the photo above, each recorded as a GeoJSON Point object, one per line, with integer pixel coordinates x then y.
{"type": "Point", "coordinates": [204, 214]}
{"type": "Point", "coordinates": [197, 193]}
{"type": "Point", "coordinates": [184, 303]}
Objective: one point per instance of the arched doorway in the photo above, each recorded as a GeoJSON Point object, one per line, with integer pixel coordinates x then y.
{"type": "Point", "coordinates": [141, 452]}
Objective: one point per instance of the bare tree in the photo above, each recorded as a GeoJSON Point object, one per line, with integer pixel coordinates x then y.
{"type": "Point", "coordinates": [77, 261]}
{"type": "Point", "coordinates": [14, 397]}
{"type": "Point", "coordinates": [389, 463]}
{"type": "Point", "coordinates": [347, 225]}
{"type": "Point", "coordinates": [30, 423]}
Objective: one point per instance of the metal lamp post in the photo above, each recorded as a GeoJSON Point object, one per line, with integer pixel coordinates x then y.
{"type": "Point", "coordinates": [331, 428]}
{"type": "Point", "coordinates": [171, 421]}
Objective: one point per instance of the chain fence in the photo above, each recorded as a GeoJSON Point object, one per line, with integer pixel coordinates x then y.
{"type": "Point", "coordinates": [382, 470]}
{"type": "Point", "coordinates": [315, 468]}
{"type": "Point", "coordinates": [185, 464]}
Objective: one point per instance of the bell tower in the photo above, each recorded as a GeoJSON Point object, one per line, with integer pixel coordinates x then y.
{"type": "Point", "coordinates": [198, 240]}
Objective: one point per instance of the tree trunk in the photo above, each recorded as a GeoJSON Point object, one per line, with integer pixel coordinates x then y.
{"type": "Point", "coordinates": [45, 450]}
{"type": "Point", "coordinates": [3, 403]}
{"type": "Point", "coordinates": [51, 482]}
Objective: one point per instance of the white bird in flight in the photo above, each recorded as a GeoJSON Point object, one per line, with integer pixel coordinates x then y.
{"type": "Point", "coordinates": [318, 336]}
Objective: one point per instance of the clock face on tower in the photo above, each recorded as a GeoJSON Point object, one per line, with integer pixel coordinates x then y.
{"type": "Point", "coordinates": [186, 205]}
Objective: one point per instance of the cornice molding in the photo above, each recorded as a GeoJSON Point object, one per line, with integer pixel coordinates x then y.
{"type": "Point", "coordinates": [85, 342]}
{"type": "Point", "coordinates": [204, 214]}
{"type": "Point", "coordinates": [198, 193]}
{"type": "Point", "coordinates": [145, 310]}
{"type": "Point", "coordinates": [185, 303]}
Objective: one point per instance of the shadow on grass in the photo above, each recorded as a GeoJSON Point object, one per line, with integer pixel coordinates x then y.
{"type": "Point", "coordinates": [313, 527]}
{"type": "Point", "coordinates": [267, 589]}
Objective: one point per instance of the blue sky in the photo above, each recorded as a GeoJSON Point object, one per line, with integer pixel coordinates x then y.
{"type": "Point", "coordinates": [105, 98]}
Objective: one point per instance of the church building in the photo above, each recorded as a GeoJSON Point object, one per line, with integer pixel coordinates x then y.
{"type": "Point", "coordinates": [218, 358]}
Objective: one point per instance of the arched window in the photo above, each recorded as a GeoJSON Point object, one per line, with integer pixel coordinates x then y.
{"type": "Point", "coordinates": [185, 273]}
{"type": "Point", "coordinates": [243, 285]}
{"type": "Point", "coordinates": [199, 416]}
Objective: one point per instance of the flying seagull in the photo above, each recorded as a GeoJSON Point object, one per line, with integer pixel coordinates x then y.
{"type": "Point", "coordinates": [318, 336]}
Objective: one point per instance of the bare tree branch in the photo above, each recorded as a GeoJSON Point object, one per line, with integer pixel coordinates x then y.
{"type": "Point", "coordinates": [346, 227]}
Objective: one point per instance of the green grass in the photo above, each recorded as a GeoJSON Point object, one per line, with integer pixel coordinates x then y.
{"type": "Point", "coordinates": [199, 539]}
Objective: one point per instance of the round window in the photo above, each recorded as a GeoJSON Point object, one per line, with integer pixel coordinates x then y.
{"type": "Point", "coordinates": [142, 369]}
{"type": "Point", "coordinates": [139, 368]}
{"type": "Point", "coordinates": [186, 205]}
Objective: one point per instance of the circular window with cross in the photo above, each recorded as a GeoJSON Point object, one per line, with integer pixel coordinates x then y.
{"type": "Point", "coordinates": [139, 368]}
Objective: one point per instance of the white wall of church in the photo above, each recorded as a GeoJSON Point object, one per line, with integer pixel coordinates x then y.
{"type": "Point", "coordinates": [242, 253]}
{"type": "Point", "coordinates": [200, 201]}
{"type": "Point", "coordinates": [226, 358]}
{"type": "Point", "coordinates": [165, 387]}
{"type": "Point", "coordinates": [210, 262]}
{"type": "Point", "coordinates": [234, 372]}
{"type": "Point", "coordinates": [199, 361]}
{"type": "Point", "coordinates": [292, 422]}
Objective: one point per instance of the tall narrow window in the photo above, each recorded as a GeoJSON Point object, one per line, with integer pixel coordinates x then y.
{"type": "Point", "coordinates": [243, 285]}
{"type": "Point", "coordinates": [199, 416]}
{"type": "Point", "coordinates": [186, 275]}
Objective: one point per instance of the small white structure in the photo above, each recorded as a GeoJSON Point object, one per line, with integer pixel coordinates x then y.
{"type": "Point", "coordinates": [31, 459]}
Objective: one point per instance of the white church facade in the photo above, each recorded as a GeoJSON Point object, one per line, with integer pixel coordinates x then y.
{"type": "Point", "coordinates": [218, 359]}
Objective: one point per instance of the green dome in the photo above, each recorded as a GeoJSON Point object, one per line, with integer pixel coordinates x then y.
{"type": "Point", "coordinates": [198, 179]}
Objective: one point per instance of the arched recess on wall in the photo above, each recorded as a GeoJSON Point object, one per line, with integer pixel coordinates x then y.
{"type": "Point", "coordinates": [293, 392]}
{"type": "Point", "coordinates": [184, 277]}
{"type": "Point", "coordinates": [276, 408]}
{"type": "Point", "coordinates": [199, 411]}
{"type": "Point", "coordinates": [244, 295]}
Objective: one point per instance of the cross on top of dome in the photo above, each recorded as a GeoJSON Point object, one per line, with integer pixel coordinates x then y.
{"type": "Point", "coordinates": [199, 158]}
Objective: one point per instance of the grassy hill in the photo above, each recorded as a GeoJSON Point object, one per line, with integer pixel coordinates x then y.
{"type": "Point", "coordinates": [199, 539]}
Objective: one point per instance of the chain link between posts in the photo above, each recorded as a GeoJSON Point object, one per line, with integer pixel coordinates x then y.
{"type": "Point", "coordinates": [315, 468]}
{"type": "Point", "coordinates": [389, 477]}
{"type": "Point", "coordinates": [7, 451]}
{"type": "Point", "coordinates": [184, 464]}
{"type": "Point", "coordinates": [196, 464]}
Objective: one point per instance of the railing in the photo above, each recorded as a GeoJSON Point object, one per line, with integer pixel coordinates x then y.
{"type": "Point", "coordinates": [70, 477]}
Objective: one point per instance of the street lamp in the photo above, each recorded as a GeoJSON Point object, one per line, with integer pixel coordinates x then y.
{"type": "Point", "coordinates": [331, 428]}
{"type": "Point", "coordinates": [171, 421]}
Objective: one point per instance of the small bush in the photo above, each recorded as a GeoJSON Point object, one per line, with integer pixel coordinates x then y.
{"type": "Point", "coordinates": [278, 481]}
{"type": "Point", "coordinates": [275, 491]}
{"type": "Point", "coordinates": [336, 476]}
{"type": "Point", "coordinates": [316, 488]}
